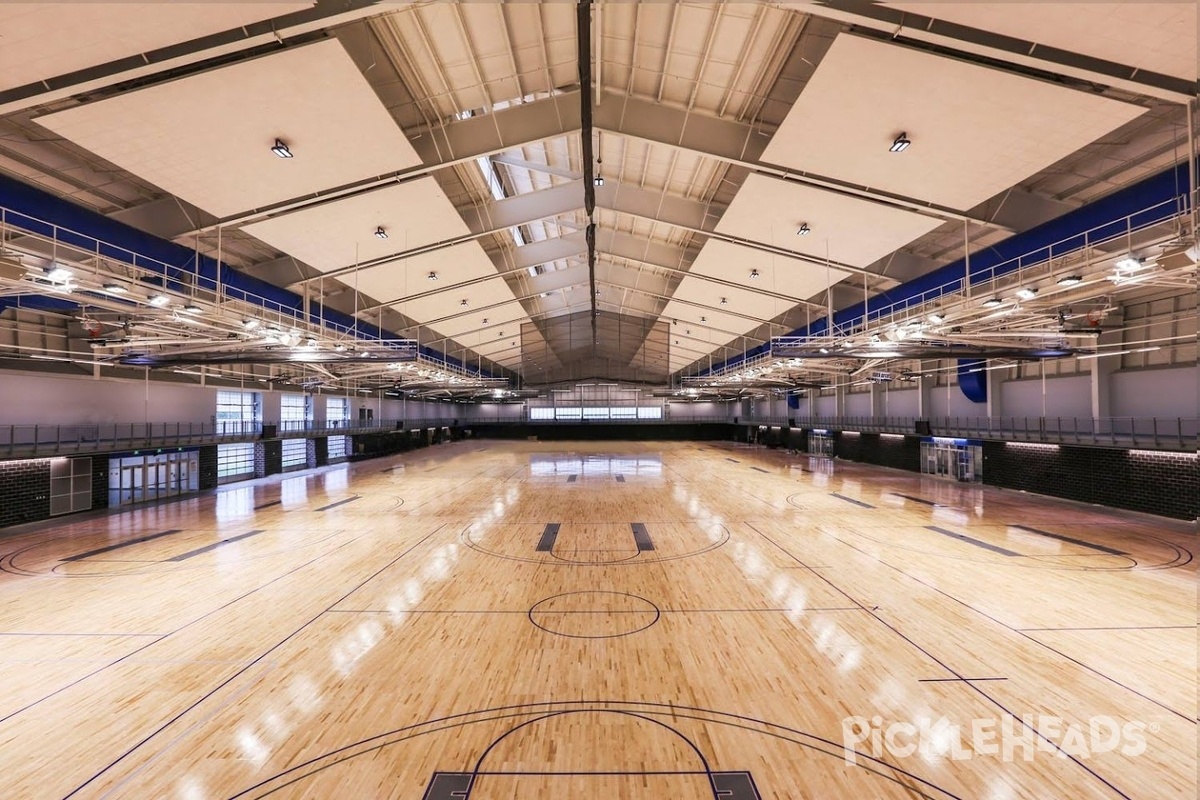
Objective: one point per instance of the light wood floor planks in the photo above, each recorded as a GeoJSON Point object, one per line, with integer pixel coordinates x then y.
{"type": "Point", "coordinates": [716, 623]}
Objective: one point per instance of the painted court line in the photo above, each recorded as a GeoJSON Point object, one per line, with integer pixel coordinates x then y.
{"type": "Point", "coordinates": [571, 478]}
{"type": "Point", "coordinates": [1111, 551]}
{"type": "Point", "coordinates": [112, 547]}
{"type": "Point", "coordinates": [851, 500]}
{"type": "Point", "coordinates": [620, 479]}
{"type": "Point", "coordinates": [338, 503]}
{"type": "Point", "coordinates": [985, 545]}
{"type": "Point", "coordinates": [760, 469]}
{"type": "Point", "coordinates": [214, 546]}
{"type": "Point", "coordinates": [267, 505]}
{"type": "Point", "coordinates": [641, 536]}
{"type": "Point", "coordinates": [549, 534]}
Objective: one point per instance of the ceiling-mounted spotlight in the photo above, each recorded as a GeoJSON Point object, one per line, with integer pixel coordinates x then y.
{"type": "Point", "coordinates": [340, 348]}
{"type": "Point", "coordinates": [900, 143]}
{"type": "Point", "coordinates": [992, 302]}
{"type": "Point", "coordinates": [1129, 264]}
{"type": "Point", "coordinates": [825, 350]}
{"type": "Point", "coordinates": [598, 180]}
{"type": "Point", "coordinates": [724, 301]}
{"type": "Point", "coordinates": [704, 319]}
{"type": "Point", "coordinates": [1027, 292]}
{"type": "Point", "coordinates": [1070, 280]}
{"type": "Point", "coordinates": [484, 320]}
{"type": "Point", "coordinates": [753, 274]}
{"type": "Point", "coordinates": [380, 233]}
{"type": "Point", "coordinates": [114, 288]}
{"type": "Point", "coordinates": [936, 318]}
{"type": "Point", "coordinates": [432, 276]}
{"type": "Point", "coordinates": [250, 324]}
{"type": "Point", "coordinates": [59, 274]}
{"type": "Point", "coordinates": [192, 308]}
{"type": "Point", "coordinates": [803, 230]}
{"type": "Point", "coordinates": [280, 149]}
{"type": "Point", "coordinates": [158, 300]}
{"type": "Point", "coordinates": [463, 302]}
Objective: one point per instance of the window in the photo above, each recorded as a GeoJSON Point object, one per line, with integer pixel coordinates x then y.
{"type": "Point", "coordinates": [623, 412]}
{"type": "Point", "coordinates": [238, 412]}
{"type": "Point", "coordinates": [70, 485]}
{"type": "Point", "coordinates": [295, 453]}
{"type": "Point", "coordinates": [234, 461]}
{"type": "Point", "coordinates": [568, 413]}
{"type": "Point", "coordinates": [541, 413]}
{"type": "Point", "coordinates": [595, 413]}
{"type": "Point", "coordinates": [339, 447]}
{"type": "Point", "coordinates": [337, 412]}
{"type": "Point", "coordinates": [295, 411]}
{"type": "Point", "coordinates": [649, 412]}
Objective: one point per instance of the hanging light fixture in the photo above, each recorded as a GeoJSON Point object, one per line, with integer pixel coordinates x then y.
{"type": "Point", "coordinates": [900, 143]}
{"type": "Point", "coordinates": [380, 233]}
{"type": "Point", "coordinates": [803, 230]}
{"type": "Point", "coordinates": [280, 149]}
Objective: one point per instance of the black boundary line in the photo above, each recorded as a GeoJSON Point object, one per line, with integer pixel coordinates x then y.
{"type": "Point", "coordinates": [465, 536]}
{"type": "Point", "coordinates": [119, 545]}
{"type": "Point", "coordinates": [1114, 628]}
{"type": "Point", "coordinates": [953, 680]}
{"type": "Point", "coordinates": [267, 505]}
{"type": "Point", "coordinates": [1102, 548]}
{"type": "Point", "coordinates": [653, 609]}
{"type": "Point", "coordinates": [620, 478]}
{"type": "Point", "coordinates": [884, 770]}
{"type": "Point", "coordinates": [571, 478]}
{"type": "Point", "coordinates": [172, 633]}
{"type": "Point", "coordinates": [962, 537]}
{"type": "Point", "coordinates": [34, 633]}
{"type": "Point", "coordinates": [850, 500]}
{"type": "Point", "coordinates": [515, 611]}
{"type": "Point", "coordinates": [252, 663]}
{"type": "Point", "coordinates": [338, 503]}
{"type": "Point", "coordinates": [213, 546]}
{"type": "Point", "coordinates": [760, 469]}
{"type": "Point", "coordinates": [938, 661]}
{"type": "Point", "coordinates": [734, 460]}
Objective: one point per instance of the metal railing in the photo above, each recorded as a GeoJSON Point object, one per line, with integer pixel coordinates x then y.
{"type": "Point", "coordinates": [1153, 433]}
{"type": "Point", "coordinates": [21, 441]}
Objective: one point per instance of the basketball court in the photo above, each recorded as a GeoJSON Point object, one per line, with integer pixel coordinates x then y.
{"type": "Point", "coordinates": [651, 620]}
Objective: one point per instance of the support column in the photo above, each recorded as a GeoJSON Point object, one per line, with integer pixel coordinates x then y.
{"type": "Point", "coordinates": [839, 400]}
{"type": "Point", "coordinates": [924, 406]}
{"type": "Point", "coordinates": [1101, 369]}
{"type": "Point", "coordinates": [878, 400]}
{"type": "Point", "coordinates": [995, 408]}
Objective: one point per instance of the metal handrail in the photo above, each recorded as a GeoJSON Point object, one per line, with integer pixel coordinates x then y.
{"type": "Point", "coordinates": [1157, 433]}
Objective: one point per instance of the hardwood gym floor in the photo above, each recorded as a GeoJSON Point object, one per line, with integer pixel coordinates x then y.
{"type": "Point", "coordinates": [602, 620]}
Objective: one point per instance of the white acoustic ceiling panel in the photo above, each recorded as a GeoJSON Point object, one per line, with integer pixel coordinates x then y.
{"type": "Point", "coordinates": [207, 137]}
{"type": "Point", "coordinates": [45, 40]}
{"type": "Point", "coordinates": [975, 131]}
{"type": "Point", "coordinates": [341, 233]}
{"type": "Point", "coordinates": [847, 230]}
{"type": "Point", "coordinates": [396, 280]}
{"type": "Point", "coordinates": [1158, 37]}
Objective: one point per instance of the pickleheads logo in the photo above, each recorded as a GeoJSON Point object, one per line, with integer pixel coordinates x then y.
{"type": "Point", "coordinates": [1007, 738]}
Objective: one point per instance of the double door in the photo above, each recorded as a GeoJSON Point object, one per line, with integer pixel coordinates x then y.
{"type": "Point", "coordinates": [956, 460]}
{"type": "Point", "coordinates": [138, 479]}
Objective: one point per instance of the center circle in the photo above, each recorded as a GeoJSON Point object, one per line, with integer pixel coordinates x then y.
{"type": "Point", "coordinates": [594, 615]}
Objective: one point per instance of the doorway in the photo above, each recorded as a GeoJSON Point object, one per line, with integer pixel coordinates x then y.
{"type": "Point", "coordinates": [139, 479]}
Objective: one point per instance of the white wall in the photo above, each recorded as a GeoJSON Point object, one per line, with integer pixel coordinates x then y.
{"type": "Point", "coordinates": [37, 399]}
{"type": "Point", "coordinates": [858, 404]}
{"type": "Point", "coordinates": [1155, 393]}
{"type": "Point", "coordinates": [1069, 396]}
{"type": "Point", "coordinates": [949, 401]}
{"type": "Point", "coordinates": [900, 402]}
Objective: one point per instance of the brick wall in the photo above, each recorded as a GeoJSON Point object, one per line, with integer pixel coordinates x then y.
{"type": "Point", "coordinates": [100, 481]}
{"type": "Point", "coordinates": [318, 451]}
{"type": "Point", "coordinates": [898, 452]}
{"type": "Point", "coordinates": [24, 491]}
{"type": "Point", "coordinates": [268, 457]}
{"type": "Point", "coordinates": [1158, 483]}
{"type": "Point", "coordinates": [208, 467]}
